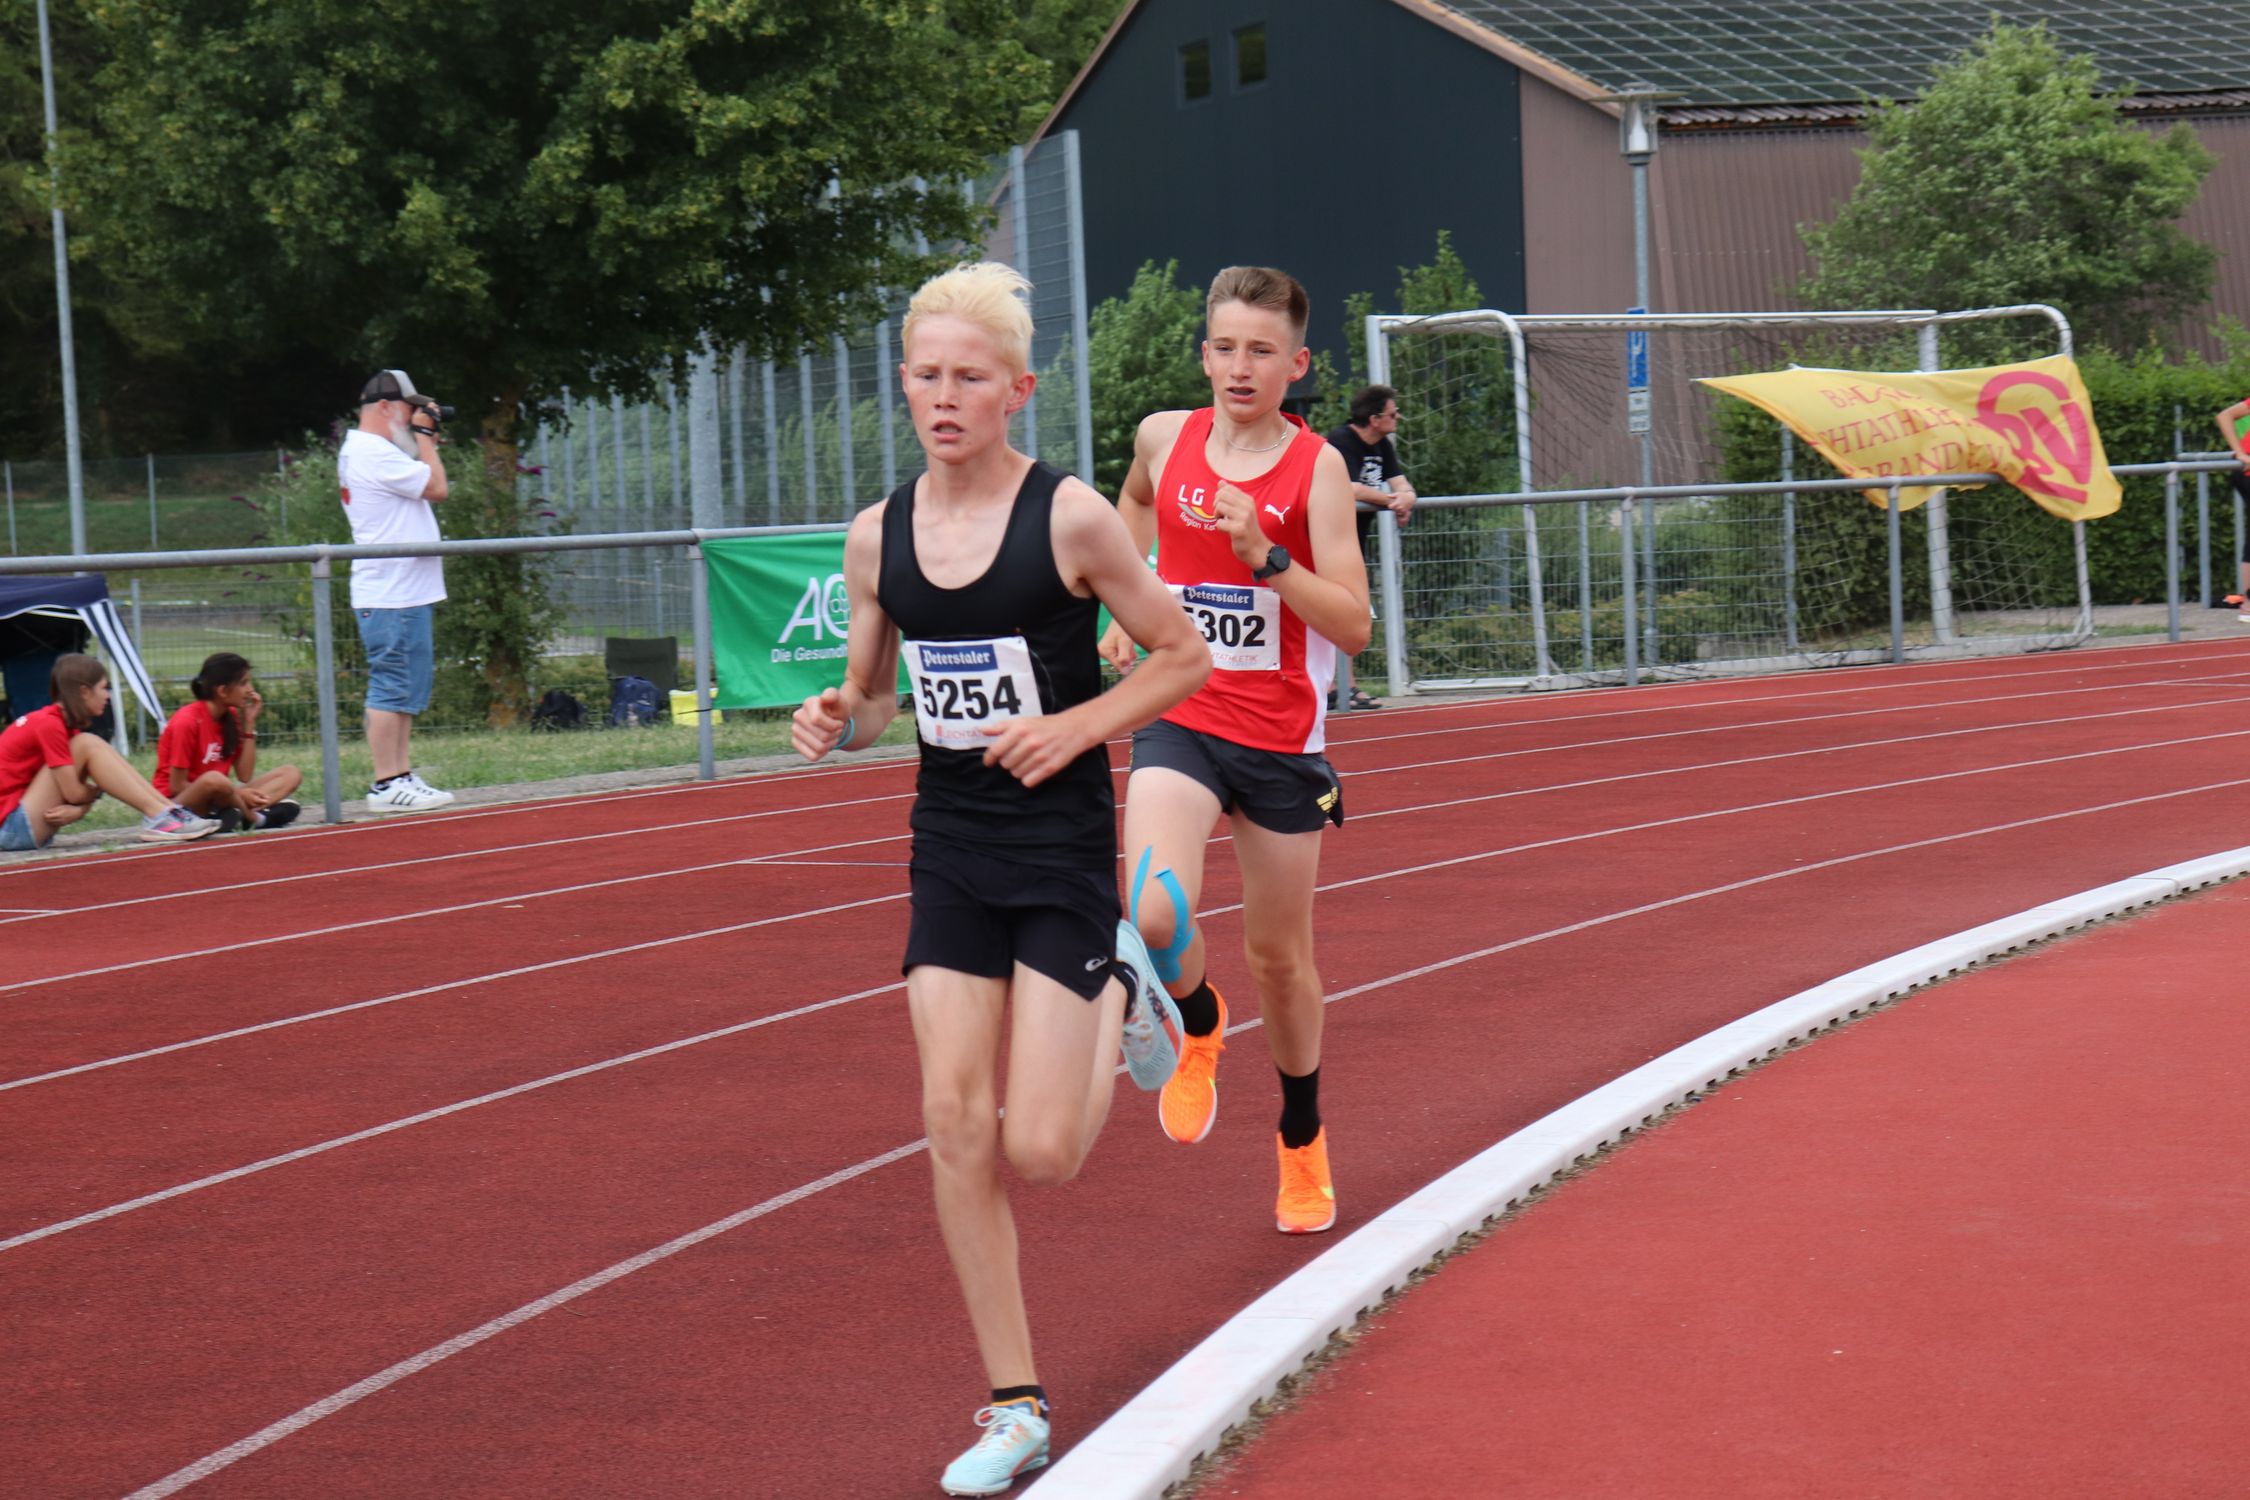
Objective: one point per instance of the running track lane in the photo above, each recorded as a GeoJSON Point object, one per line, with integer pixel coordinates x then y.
{"type": "Point", "coordinates": [169, 1120]}
{"type": "Point", "coordinates": [1985, 1243]}
{"type": "Point", "coordinates": [878, 1269]}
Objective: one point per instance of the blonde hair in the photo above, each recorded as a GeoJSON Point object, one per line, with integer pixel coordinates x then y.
{"type": "Point", "coordinates": [992, 296]}
{"type": "Point", "coordinates": [1262, 287]}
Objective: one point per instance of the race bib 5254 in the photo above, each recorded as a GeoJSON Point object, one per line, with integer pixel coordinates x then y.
{"type": "Point", "coordinates": [963, 688]}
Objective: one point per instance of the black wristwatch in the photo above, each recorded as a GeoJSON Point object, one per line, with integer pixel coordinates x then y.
{"type": "Point", "coordinates": [1277, 561]}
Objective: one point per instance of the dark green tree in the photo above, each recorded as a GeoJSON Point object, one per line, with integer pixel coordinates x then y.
{"type": "Point", "coordinates": [509, 199]}
{"type": "Point", "coordinates": [1142, 354]}
{"type": "Point", "coordinates": [2016, 179]}
{"type": "Point", "coordinates": [1062, 34]}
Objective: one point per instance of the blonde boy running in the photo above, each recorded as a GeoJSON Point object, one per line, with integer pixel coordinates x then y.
{"type": "Point", "coordinates": [992, 568]}
{"type": "Point", "coordinates": [1251, 513]}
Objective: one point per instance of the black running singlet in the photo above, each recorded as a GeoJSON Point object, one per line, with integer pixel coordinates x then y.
{"type": "Point", "coordinates": [1013, 643]}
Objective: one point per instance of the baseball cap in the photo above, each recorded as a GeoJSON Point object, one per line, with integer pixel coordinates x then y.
{"type": "Point", "coordinates": [389, 385]}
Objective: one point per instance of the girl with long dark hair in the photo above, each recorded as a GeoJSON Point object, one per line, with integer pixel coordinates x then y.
{"type": "Point", "coordinates": [208, 754]}
{"type": "Point", "coordinates": [52, 768]}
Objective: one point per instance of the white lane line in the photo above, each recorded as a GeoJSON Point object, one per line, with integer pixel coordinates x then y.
{"type": "Point", "coordinates": [753, 780]}
{"type": "Point", "coordinates": [216, 1179]}
{"type": "Point", "coordinates": [1849, 745]}
{"type": "Point", "coordinates": [304, 1417]}
{"type": "Point", "coordinates": [469, 982]}
{"type": "Point", "coordinates": [328, 1406]}
{"type": "Point", "coordinates": [1887, 743]}
{"type": "Point", "coordinates": [1607, 695]}
{"type": "Point", "coordinates": [515, 898]}
{"type": "Point", "coordinates": [1922, 676]}
{"type": "Point", "coordinates": [1156, 1436]}
{"type": "Point", "coordinates": [234, 1174]}
{"type": "Point", "coordinates": [461, 854]}
{"type": "Point", "coordinates": [1653, 736]}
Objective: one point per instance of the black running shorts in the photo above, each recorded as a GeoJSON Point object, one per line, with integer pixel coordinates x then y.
{"type": "Point", "coordinates": [977, 914]}
{"type": "Point", "coordinates": [1274, 789]}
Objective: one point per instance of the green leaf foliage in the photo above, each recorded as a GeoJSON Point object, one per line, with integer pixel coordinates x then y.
{"type": "Point", "coordinates": [2015, 179]}
{"type": "Point", "coordinates": [508, 199]}
{"type": "Point", "coordinates": [1143, 355]}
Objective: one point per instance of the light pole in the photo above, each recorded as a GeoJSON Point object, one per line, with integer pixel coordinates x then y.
{"type": "Point", "coordinates": [72, 464]}
{"type": "Point", "coordinates": [1637, 122]}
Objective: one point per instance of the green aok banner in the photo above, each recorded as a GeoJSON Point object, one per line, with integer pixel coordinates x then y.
{"type": "Point", "coordinates": [779, 617]}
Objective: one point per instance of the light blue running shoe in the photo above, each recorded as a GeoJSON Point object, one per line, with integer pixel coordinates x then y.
{"type": "Point", "coordinates": [1014, 1443]}
{"type": "Point", "coordinates": [1153, 1031]}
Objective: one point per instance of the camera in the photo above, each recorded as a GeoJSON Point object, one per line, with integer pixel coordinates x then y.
{"type": "Point", "coordinates": [438, 415]}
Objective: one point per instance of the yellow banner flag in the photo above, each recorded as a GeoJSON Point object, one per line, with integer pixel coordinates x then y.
{"type": "Point", "coordinates": [2031, 423]}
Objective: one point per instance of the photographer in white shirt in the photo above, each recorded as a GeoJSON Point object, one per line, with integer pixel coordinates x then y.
{"type": "Point", "coordinates": [391, 476]}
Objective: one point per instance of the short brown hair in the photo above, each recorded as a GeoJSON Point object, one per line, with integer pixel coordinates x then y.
{"type": "Point", "coordinates": [1261, 286]}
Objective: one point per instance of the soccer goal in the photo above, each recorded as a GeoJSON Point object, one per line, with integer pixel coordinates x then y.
{"type": "Point", "coordinates": [1728, 567]}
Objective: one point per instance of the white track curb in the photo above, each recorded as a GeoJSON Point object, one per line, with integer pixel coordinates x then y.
{"type": "Point", "coordinates": [1153, 1440]}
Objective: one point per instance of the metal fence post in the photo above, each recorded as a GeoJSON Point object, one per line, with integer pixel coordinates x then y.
{"type": "Point", "coordinates": [2172, 548]}
{"type": "Point", "coordinates": [569, 460]}
{"type": "Point", "coordinates": [734, 411]}
{"type": "Point", "coordinates": [1788, 538]}
{"type": "Point", "coordinates": [9, 470]}
{"type": "Point", "coordinates": [846, 460]}
{"type": "Point", "coordinates": [2203, 538]}
{"type": "Point", "coordinates": [772, 445]}
{"type": "Point", "coordinates": [324, 671]}
{"type": "Point", "coordinates": [1394, 602]}
{"type": "Point", "coordinates": [152, 542]}
{"type": "Point", "coordinates": [1896, 547]}
{"type": "Point", "coordinates": [1629, 588]}
{"type": "Point", "coordinates": [704, 493]}
{"type": "Point", "coordinates": [884, 378]}
{"type": "Point", "coordinates": [1935, 514]}
{"type": "Point", "coordinates": [1019, 205]}
{"type": "Point", "coordinates": [812, 447]}
{"type": "Point", "coordinates": [617, 452]}
{"type": "Point", "coordinates": [1075, 209]}
{"type": "Point", "coordinates": [281, 472]}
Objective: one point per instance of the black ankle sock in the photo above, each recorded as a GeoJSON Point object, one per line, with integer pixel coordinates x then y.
{"type": "Point", "coordinates": [1199, 1009]}
{"type": "Point", "coordinates": [1002, 1395]}
{"type": "Point", "coordinates": [384, 781]}
{"type": "Point", "coordinates": [1300, 1109]}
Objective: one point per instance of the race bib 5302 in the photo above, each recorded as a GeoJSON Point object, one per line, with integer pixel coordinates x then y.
{"type": "Point", "coordinates": [1242, 625]}
{"type": "Point", "coordinates": [962, 688]}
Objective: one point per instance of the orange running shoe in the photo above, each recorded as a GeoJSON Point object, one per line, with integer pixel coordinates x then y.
{"type": "Point", "coordinates": [1189, 1105]}
{"type": "Point", "coordinates": [1307, 1204]}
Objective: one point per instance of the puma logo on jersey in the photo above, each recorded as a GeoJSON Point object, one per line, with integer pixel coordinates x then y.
{"type": "Point", "coordinates": [1279, 513]}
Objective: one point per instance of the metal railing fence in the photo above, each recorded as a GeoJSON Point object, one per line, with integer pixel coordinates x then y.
{"type": "Point", "coordinates": [1401, 596]}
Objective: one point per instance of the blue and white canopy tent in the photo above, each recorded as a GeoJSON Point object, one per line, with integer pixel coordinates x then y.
{"type": "Point", "coordinates": [83, 598]}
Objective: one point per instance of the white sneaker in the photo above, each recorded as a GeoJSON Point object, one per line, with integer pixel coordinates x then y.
{"type": "Point", "coordinates": [409, 793]}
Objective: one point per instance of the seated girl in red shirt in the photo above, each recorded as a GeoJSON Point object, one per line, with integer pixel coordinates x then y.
{"type": "Point", "coordinates": [52, 769]}
{"type": "Point", "coordinates": [207, 756]}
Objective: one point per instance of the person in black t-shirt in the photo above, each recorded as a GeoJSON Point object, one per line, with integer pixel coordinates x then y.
{"type": "Point", "coordinates": [986, 575]}
{"type": "Point", "coordinates": [1377, 477]}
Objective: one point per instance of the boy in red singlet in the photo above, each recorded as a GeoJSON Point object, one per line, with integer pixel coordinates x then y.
{"type": "Point", "coordinates": [1251, 512]}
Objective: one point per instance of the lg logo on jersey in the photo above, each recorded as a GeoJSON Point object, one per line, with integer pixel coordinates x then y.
{"type": "Point", "coordinates": [825, 608]}
{"type": "Point", "coordinates": [1197, 508]}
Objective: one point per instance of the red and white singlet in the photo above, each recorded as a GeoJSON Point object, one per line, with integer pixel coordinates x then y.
{"type": "Point", "coordinates": [1269, 689]}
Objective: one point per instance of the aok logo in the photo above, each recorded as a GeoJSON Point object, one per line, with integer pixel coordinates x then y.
{"type": "Point", "coordinates": [2047, 430]}
{"type": "Point", "coordinates": [825, 609]}
{"type": "Point", "coordinates": [1197, 507]}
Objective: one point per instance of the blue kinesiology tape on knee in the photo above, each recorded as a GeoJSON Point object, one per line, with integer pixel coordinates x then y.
{"type": "Point", "coordinates": [1167, 958]}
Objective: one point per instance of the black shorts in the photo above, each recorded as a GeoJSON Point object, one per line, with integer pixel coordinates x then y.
{"type": "Point", "coordinates": [2241, 483]}
{"type": "Point", "coordinates": [1274, 789]}
{"type": "Point", "coordinates": [978, 914]}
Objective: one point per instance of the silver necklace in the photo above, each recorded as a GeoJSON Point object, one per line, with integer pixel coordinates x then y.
{"type": "Point", "coordinates": [1286, 435]}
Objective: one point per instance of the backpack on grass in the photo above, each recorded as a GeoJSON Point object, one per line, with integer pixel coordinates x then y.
{"type": "Point", "coordinates": [633, 701]}
{"type": "Point", "coordinates": [558, 710]}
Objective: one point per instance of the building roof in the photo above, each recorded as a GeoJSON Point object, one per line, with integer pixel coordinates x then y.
{"type": "Point", "coordinates": [1735, 55]}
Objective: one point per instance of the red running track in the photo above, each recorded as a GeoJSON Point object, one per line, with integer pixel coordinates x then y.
{"type": "Point", "coordinates": [1986, 1244]}
{"type": "Point", "coordinates": [524, 1159]}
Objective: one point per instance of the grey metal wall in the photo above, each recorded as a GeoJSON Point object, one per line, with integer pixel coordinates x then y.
{"type": "Point", "coordinates": [1373, 131]}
